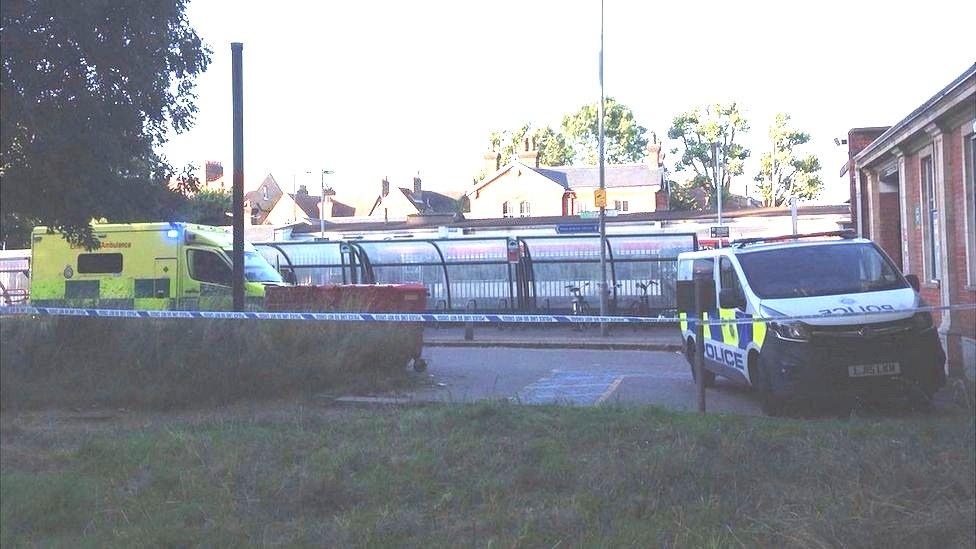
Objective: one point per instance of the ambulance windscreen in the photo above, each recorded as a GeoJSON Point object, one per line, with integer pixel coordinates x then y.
{"type": "Point", "coordinates": [808, 271]}
{"type": "Point", "coordinates": [257, 269]}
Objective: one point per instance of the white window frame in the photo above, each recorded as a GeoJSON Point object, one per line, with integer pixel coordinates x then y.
{"type": "Point", "coordinates": [525, 209]}
{"type": "Point", "coordinates": [969, 190]}
{"type": "Point", "coordinates": [931, 241]}
{"type": "Point", "coordinates": [507, 209]}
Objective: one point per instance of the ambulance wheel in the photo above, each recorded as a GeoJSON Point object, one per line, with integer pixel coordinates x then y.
{"type": "Point", "coordinates": [709, 377]}
{"type": "Point", "coordinates": [419, 365]}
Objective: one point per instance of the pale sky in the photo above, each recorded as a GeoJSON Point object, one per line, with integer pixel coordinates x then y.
{"type": "Point", "coordinates": [389, 88]}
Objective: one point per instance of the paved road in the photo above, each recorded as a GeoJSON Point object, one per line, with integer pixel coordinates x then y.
{"type": "Point", "coordinates": [573, 376]}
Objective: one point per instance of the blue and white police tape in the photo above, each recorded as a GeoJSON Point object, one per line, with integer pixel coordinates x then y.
{"type": "Point", "coordinates": [448, 317]}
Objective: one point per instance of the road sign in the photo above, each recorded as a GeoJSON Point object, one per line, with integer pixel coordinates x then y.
{"type": "Point", "coordinates": [721, 231]}
{"type": "Point", "coordinates": [576, 228]}
{"type": "Point", "coordinates": [589, 215]}
{"type": "Point", "coordinates": [513, 251]}
{"type": "Point", "coordinates": [600, 198]}
{"type": "Point", "coordinates": [611, 213]}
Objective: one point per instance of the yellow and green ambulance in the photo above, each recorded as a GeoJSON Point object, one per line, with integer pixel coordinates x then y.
{"type": "Point", "coordinates": [145, 266]}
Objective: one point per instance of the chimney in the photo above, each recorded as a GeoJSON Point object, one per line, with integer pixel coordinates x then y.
{"type": "Point", "coordinates": [214, 170]}
{"type": "Point", "coordinates": [386, 187]}
{"type": "Point", "coordinates": [529, 152]}
{"type": "Point", "coordinates": [416, 184]}
{"type": "Point", "coordinates": [493, 160]}
{"type": "Point", "coordinates": [302, 190]}
{"type": "Point", "coordinates": [654, 157]}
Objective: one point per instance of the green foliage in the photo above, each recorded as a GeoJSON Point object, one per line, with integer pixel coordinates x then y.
{"type": "Point", "coordinates": [208, 208]}
{"type": "Point", "coordinates": [553, 150]}
{"type": "Point", "coordinates": [695, 130]}
{"type": "Point", "coordinates": [783, 172]}
{"type": "Point", "coordinates": [88, 92]}
{"type": "Point", "coordinates": [624, 137]}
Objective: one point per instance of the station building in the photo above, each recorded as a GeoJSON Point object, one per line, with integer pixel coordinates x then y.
{"type": "Point", "coordinates": [912, 192]}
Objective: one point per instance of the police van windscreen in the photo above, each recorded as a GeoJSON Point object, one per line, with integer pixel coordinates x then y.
{"type": "Point", "coordinates": [826, 269]}
{"type": "Point", "coordinates": [257, 269]}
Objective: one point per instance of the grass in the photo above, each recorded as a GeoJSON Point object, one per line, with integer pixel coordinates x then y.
{"type": "Point", "coordinates": [485, 475]}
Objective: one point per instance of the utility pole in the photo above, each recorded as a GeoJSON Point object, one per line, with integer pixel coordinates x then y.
{"type": "Point", "coordinates": [237, 93]}
{"type": "Point", "coordinates": [603, 206]}
{"type": "Point", "coordinates": [322, 205]}
{"type": "Point", "coordinates": [717, 184]}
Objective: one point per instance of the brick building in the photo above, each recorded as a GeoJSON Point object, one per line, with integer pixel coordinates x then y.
{"type": "Point", "coordinates": [912, 192]}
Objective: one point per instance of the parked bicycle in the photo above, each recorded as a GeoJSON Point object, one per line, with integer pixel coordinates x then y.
{"type": "Point", "coordinates": [579, 306]}
{"type": "Point", "coordinates": [643, 306]}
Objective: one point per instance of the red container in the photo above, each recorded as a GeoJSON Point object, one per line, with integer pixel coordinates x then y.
{"type": "Point", "coordinates": [353, 298]}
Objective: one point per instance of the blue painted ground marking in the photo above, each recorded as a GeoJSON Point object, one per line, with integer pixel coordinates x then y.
{"type": "Point", "coordinates": [578, 388]}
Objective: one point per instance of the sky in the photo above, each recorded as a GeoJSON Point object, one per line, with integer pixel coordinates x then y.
{"type": "Point", "coordinates": [369, 89]}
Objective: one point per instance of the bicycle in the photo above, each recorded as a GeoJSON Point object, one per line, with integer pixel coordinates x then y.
{"type": "Point", "coordinates": [643, 307]}
{"type": "Point", "coordinates": [579, 306]}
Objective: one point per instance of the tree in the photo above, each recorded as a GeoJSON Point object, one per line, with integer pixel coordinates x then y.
{"type": "Point", "coordinates": [695, 130]}
{"type": "Point", "coordinates": [790, 175]}
{"type": "Point", "coordinates": [553, 150]}
{"type": "Point", "coordinates": [88, 91]}
{"type": "Point", "coordinates": [207, 208]}
{"type": "Point", "coordinates": [624, 137]}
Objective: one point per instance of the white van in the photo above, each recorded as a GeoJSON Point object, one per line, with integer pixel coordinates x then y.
{"type": "Point", "coordinates": [893, 354]}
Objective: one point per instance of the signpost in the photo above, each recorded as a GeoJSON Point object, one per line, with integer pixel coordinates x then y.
{"type": "Point", "coordinates": [600, 198]}
{"type": "Point", "coordinates": [722, 231]}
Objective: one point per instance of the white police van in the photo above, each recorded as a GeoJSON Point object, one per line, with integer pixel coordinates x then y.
{"type": "Point", "coordinates": [894, 353]}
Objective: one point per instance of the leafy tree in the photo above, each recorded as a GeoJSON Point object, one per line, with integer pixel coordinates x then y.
{"type": "Point", "coordinates": [88, 91]}
{"type": "Point", "coordinates": [553, 150]}
{"type": "Point", "coordinates": [208, 208]}
{"type": "Point", "coordinates": [695, 130]}
{"type": "Point", "coordinates": [624, 137]}
{"type": "Point", "coordinates": [790, 174]}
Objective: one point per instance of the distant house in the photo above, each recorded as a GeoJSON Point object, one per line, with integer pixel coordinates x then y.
{"type": "Point", "coordinates": [523, 188]}
{"type": "Point", "coordinates": [404, 202]}
{"type": "Point", "coordinates": [268, 205]}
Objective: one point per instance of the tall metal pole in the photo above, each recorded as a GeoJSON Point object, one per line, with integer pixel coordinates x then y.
{"type": "Point", "coordinates": [322, 205]}
{"type": "Point", "coordinates": [717, 185]}
{"type": "Point", "coordinates": [603, 208]}
{"type": "Point", "coordinates": [237, 92]}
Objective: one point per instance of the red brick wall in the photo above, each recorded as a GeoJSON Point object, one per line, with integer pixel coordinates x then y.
{"type": "Point", "coordinates": [964, 322]}
{"type": "Point", "coordinates": [890, 237]}
{"type": "Point", "coordinates": [857, 140]}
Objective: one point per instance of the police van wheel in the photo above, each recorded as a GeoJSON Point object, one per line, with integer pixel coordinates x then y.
{"type": "Point", "coordinates": [709, 377]}
{"type": "Point", "coordinates": [419, 365]}
{"type": "Point", "coordinates": [771, 406]}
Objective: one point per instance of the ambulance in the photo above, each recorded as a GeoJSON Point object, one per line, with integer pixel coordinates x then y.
{"type": "Point", "coordinates": [893, 353]}
{"type": "Point", "coordinates": [145, 266]}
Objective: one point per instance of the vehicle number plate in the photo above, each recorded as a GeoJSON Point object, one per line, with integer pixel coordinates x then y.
{"type": "Point", "coordinates": [882, 369]}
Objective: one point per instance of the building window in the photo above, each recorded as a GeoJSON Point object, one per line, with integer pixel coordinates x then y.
{"type": "Point", "coordinates": [507, 209]}
{"type": "Point", "coordinates": [264, 192]}
{"type": "Point", "coordinates": [621, 205]}
{"type": "Point", "coordinates": [930, 220]}
{"type": "Point", "coordinates": [99, 263]}
{"type": "Point", "coordinates": [970, 183]}
{"type": "Point", "coordinates": [524, 209]}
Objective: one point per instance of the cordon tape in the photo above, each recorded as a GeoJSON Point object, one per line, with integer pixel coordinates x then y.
{"type": "Point", "coordinates": [442, 317]}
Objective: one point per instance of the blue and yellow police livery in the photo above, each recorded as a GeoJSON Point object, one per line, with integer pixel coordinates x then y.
{"type": "Point", "coordinates": [866, 341]}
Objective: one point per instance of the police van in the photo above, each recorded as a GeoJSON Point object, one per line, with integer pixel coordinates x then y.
{"type": "Point", "coordinates": [892, 353]}
{"type": "Point", "coordinates": [145, 266]}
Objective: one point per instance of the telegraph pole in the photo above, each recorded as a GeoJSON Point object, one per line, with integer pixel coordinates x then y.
{"type": "Point", "coordinates": [603, 204]}
{"type": "Point", "coordinates": [237, 93]}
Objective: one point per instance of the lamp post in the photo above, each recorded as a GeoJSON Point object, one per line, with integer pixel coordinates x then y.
{"type": "Point", "coordinates": [603, 206]}
{"type": "Point", "coordinates": [322, 205]}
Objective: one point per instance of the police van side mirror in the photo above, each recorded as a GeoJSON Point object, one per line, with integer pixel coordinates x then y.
{"type": "Point", "coordinates": [913, 282]}
{"type": "Point", "coordinates": [729, 299]}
